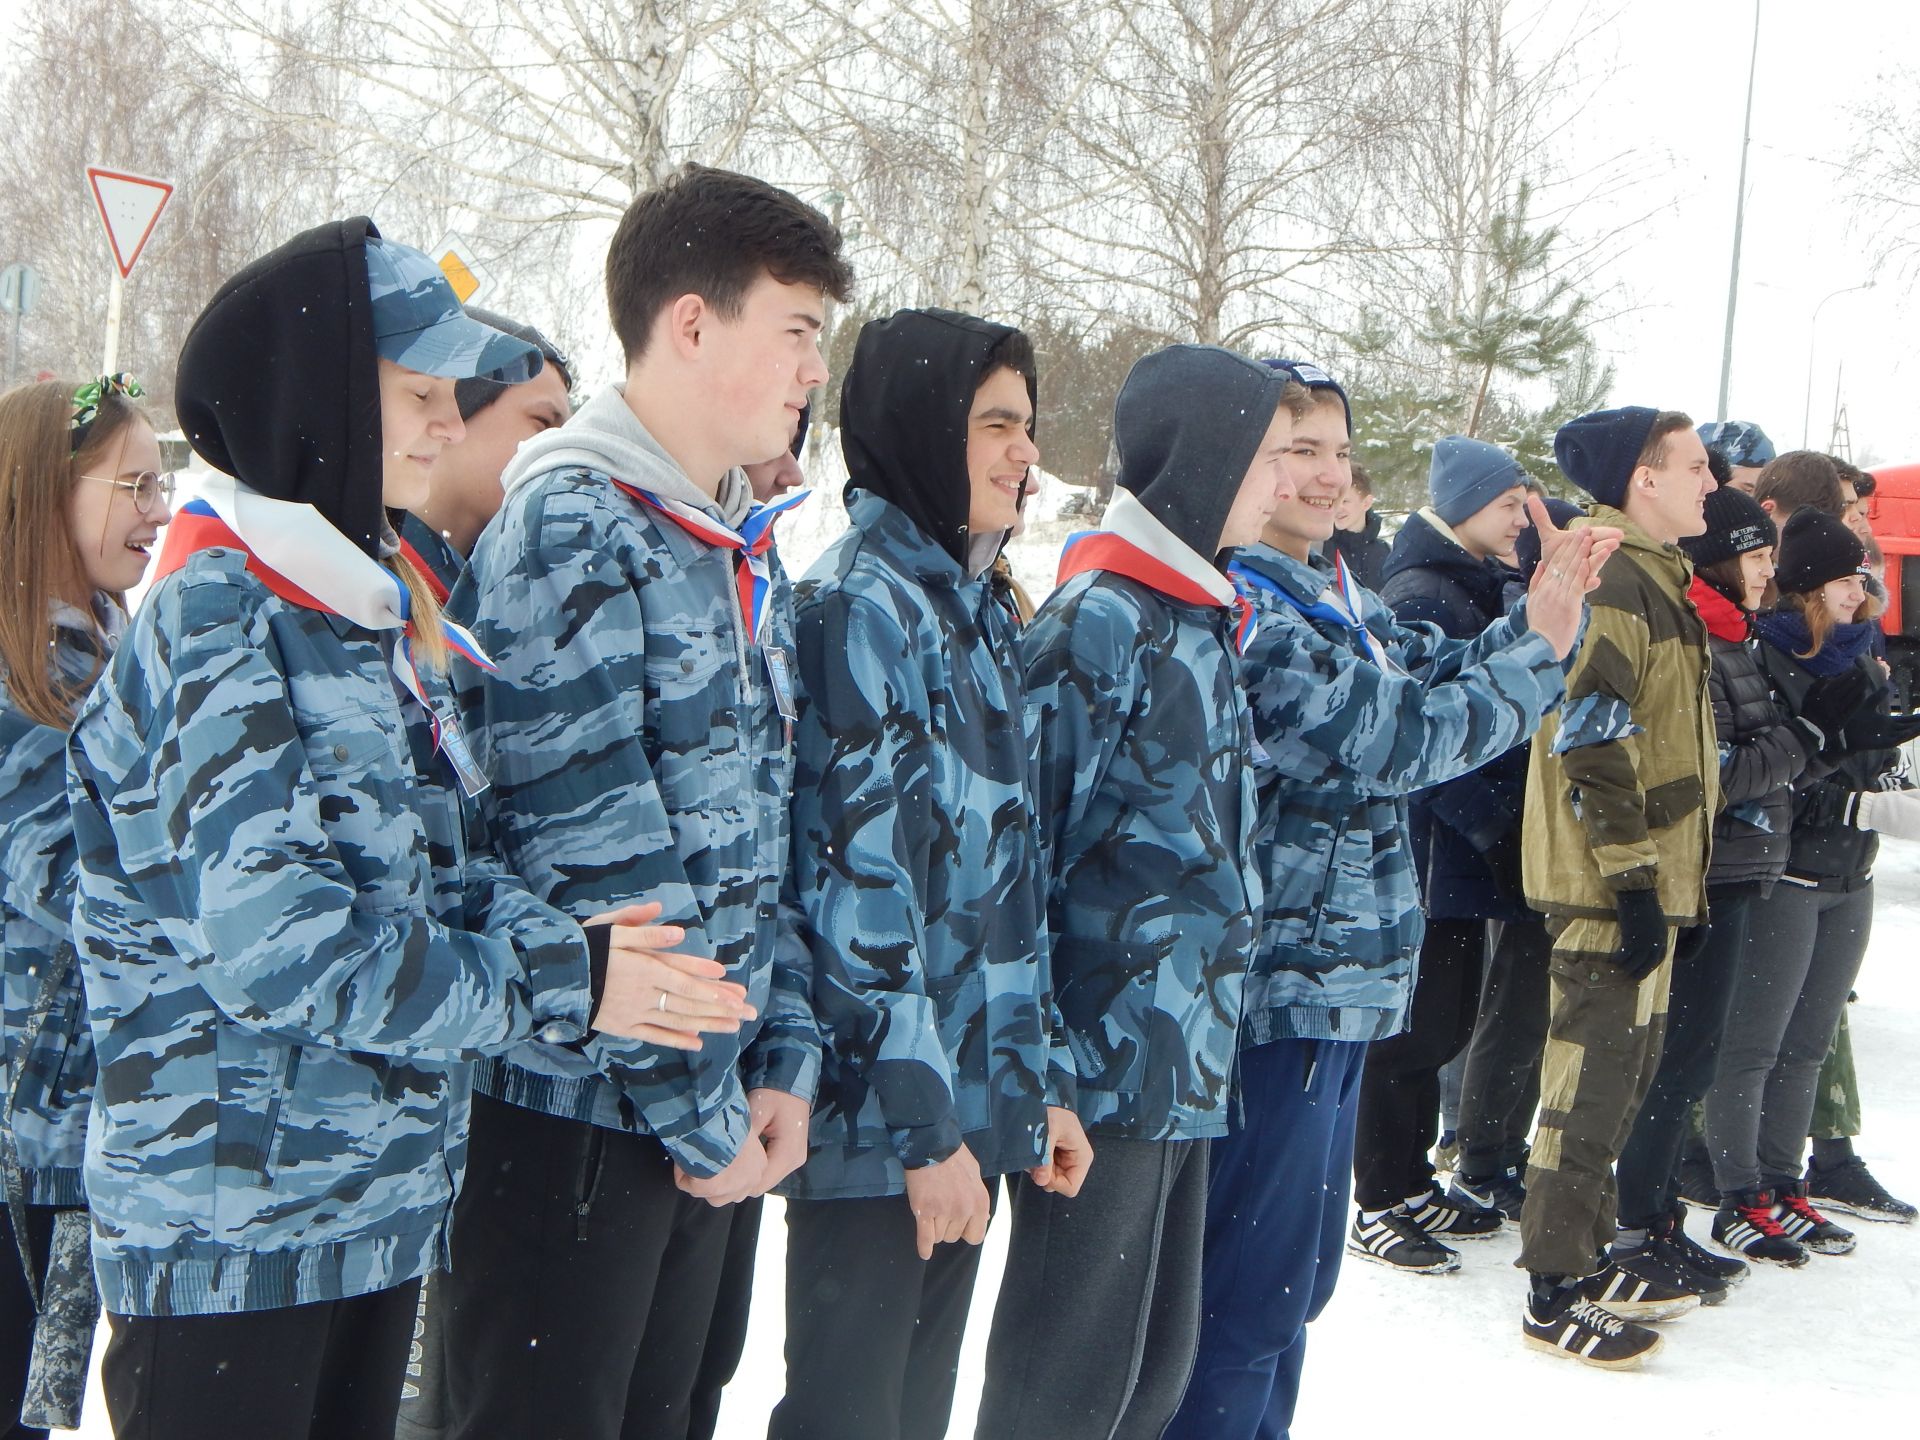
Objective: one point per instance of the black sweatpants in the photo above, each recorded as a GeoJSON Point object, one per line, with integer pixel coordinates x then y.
{"type": "Point", "coordinates": [1501, 1086]}
{"type": "Point", "coordinates": [1099, 1312]}
{"type": "Point", "coordinates": [727, 1333]}
{"type": "Point", "coordinates": [326, 1371]}
{"type": "Point", "coordinates": [873, 1331]}
{"type": "Point", "coordinates": [582, 1286]}
{"type": "Point", "coordinates": [1400, 1087]}
{"type": "Point", "coordinates": [1697, 1007]}
{"type": "Point", "coordinates": [17, 1315]}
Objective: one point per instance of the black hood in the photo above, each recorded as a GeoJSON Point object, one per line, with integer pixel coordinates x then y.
{"type": "Point", "coordinates": [903, 416]}
{"type": "Point", "coordinates": [1419, 546]}
{"type": "Point", "coordinates": [1187, 425]}
{"type": "Point", "coordinates": [278, 383]}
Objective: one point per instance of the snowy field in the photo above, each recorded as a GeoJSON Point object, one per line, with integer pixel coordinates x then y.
{"type": "Point", "coordinates": [1395, 1354]}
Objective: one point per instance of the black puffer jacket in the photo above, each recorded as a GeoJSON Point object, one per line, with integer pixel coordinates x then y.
{"type": "Point", "coordinates": [1761, 751]}
{"type": "Point", "coordinates": [1466, 830]}
{"type": "Point", "coordinates": [1363, 550]}
{"type": "Point", "coordinates": [1827, 851]}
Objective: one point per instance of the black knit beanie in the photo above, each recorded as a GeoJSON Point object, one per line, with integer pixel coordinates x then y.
{"type": "Point", "coordinates": [1815, 549]}
{"type": "Point", "coordinates": [1735, 525]}
{"type": "Point", "coordinates": [1597, 452]}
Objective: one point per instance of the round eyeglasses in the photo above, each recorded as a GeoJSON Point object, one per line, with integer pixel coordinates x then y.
{"type": "Point", "coordinates": [150, 489]}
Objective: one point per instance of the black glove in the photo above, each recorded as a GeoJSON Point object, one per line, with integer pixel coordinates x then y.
{"type": "Point", "coordinates": [1643, 932]}
{"type": "Point", "coordinates": [1690, 942]}
{"type": "Point", "coordinates": [1872, 730]}
{"type": "Point", "coordinates": [1832, 703]}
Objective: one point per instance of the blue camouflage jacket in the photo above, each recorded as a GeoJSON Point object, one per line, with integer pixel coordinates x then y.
{"type": "Point", "coordinates": [1344, 738]}
{"type": "Point", "coordinates": [49, 1082]}
{"type": "Point", "coordinates": [637, 753]}
{"type": "Point", "coordinates": [915, 863]}
{"type": "Point", "coordinates": [291, 955]}
{"type": "Point", "coordinates": [1147, 804]}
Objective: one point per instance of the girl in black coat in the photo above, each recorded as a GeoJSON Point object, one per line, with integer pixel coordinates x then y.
{"type": "Point", "coordinates": [1807, 936]}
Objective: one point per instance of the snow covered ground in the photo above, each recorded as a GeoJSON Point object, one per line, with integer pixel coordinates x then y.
{"type": "Point", "coordinates": [1395, 1355]}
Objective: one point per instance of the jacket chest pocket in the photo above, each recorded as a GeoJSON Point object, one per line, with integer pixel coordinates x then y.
{"type": "Point", "coordinates": [359, 772]}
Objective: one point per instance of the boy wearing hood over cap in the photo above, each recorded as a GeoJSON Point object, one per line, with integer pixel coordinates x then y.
{"type": "Point", "coordinates": [1621, 794]}
{"type": "Point", "coordinates": [291, 954]}
{"type": "Point", "coordinates": [1352, 712]}
{"type": "Point", "coordinates": [637, 733]}
{"type": "Point", "coordinates": [916, 866]}
{"type": "Point", "coordinates": [1146, 808]}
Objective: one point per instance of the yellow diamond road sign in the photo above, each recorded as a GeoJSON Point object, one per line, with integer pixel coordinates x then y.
{"type": "Point", "coordinates": [455, 259]}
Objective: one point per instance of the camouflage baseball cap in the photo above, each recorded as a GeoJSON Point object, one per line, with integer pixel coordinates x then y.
{"type": "Point", "coordinates": [1741, 441]}
{"type": "Point", "coordinates": [418, 323]}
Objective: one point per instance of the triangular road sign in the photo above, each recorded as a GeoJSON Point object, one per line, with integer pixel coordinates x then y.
{"type": "Point", "coordinates": [130, 206]}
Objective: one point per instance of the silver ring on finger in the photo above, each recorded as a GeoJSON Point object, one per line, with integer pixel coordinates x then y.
{"type": "Point", "coordinates": [663, 1001]}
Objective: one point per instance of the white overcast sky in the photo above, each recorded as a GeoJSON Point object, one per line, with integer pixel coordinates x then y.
{"type": "Point", "coordinates": [1675, 104]}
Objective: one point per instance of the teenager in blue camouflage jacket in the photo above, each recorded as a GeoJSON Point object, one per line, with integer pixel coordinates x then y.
{"type": "Point", "coordinates": [290, 951]}
{"type": "Point", "coordinates": [916, 866]}
{"type": "Point", "coordinates": [1352, 713]}
{"type": "Point", "coordinates": [637, 734]}
{"type": "Point", "coordinates": [80, 482]}
{"type": "Point", "coordinates": [1147, 808]}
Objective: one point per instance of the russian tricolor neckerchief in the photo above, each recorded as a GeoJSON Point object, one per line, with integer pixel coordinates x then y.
{"type": "Point", "coordinates": [1344, 610]}
{"type": "Point", "coordinates": [752, 542]}
{"type": "Point", "coordinates": [1104, 550]}
{"type": "Point", "coordinates": [380, 600]}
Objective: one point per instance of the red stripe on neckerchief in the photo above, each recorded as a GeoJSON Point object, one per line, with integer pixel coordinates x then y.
{"type": "Point", "coordinates": [427, 573]}
{"type": "Point", "coordinates": [752, 542]}
{"type": "Point", "coordinates": [1104, 550]}
{"type": "Point", "coordinates": [1349, 592]}
{"type": "Point", "coordinates": [195, 527]}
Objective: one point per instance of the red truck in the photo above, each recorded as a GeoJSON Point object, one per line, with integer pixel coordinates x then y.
{"type": "Point", "coordinates": [1894, 510]}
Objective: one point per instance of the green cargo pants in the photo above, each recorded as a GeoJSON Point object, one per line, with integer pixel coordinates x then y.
{"type": "Point", "coordinates": [1604, 1032]}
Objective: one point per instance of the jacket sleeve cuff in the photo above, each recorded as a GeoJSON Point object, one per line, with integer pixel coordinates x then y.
{"type": "Point", "coordinates": [599, 942]}
{"type": "Point", "coordinates": [783, 1063]}
{"type": "Point", "coordinates": [924, 1145]}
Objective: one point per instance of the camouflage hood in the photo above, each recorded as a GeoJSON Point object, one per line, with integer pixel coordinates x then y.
{"type": "Point", "coordinates": [903, 421]}
{"type": "Point", "coordinates": [1187, 425]}
{"type": "Point", "coordinates": [278, 384]}
{"type": "Point", "coordinates": [605, 436]}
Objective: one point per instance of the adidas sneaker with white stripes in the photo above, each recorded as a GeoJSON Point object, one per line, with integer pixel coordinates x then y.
{"type": "Point", "coordinates": [1577, 1329]}
{"type": "Point", "coordinates": [1394, 1238]}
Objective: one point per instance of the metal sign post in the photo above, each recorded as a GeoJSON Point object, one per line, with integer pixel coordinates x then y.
{"type": "Point", "coordinates": [130, 207]}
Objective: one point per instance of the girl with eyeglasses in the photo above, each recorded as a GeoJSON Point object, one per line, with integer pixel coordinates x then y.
{"type": "Point", "coordinates": [82, 501]}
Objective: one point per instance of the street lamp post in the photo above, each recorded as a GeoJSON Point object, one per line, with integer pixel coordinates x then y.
{"type": "Point", "coordinates": [1813, 335]}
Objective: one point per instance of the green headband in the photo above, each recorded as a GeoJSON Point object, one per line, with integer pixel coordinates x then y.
{"type": "Point", "coordinates": [87, 400]}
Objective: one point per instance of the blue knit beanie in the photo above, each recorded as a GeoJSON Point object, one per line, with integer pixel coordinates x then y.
{"type": "Point", "coordinates": [1467, 475]}
{"type": "Point", "coordinates": [1597, 452]}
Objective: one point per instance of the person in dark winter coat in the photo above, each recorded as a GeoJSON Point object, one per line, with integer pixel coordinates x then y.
{"type": "Point", "coordinates": [1809, 935]}
{"type": "Point", "coordinates": [916, 870]}
{"type": "Point", "coordinates": [1356, 535]}
{"type": "Point", "coordinates": [1352, 712]}
{"type": "Point", "coordinates": [81, 486]}
{"type": "Point", "coordinates": [638, 729]}
{"type": "Point", "coordinates": [1134, 679]}
{"type": "Point", "coordinates": [1763, 751]}
{"type": "Point", "coordinates": [1465, 833]}
{"type": "Point", "coordinates": [294, 950]}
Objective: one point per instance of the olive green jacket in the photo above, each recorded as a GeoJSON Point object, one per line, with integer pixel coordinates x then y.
{"type": "Point", "coordinates": [1625, 778]}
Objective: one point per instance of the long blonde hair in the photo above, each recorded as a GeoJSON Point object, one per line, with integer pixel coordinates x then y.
{"type": "Point", "coordinates": [429, 634]}
{"type": "Point", "coordinates": [38, 555]}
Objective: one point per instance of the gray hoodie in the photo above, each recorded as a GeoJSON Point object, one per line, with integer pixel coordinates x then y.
{"type": "Point", "coordinates": [606, 435]}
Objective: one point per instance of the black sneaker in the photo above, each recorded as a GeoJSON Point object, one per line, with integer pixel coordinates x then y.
{"type": "Point", "coordinates": [1659, 1252]}
{"type": "Point", "coordinates": [1436, 1214]}
{"type": "Point", "coordinates": [1850, 1188]}
{"type": "Point", "coordinates": [1745, 1226]}
{"type": "Point", "coordinates": [1795, 1214]}
{"type": "Point", "coordinates": [1685, 1250]}
{"type": "Point", "coordinates": [1640, 1286]}
{"type": "Point", "coordinates": [1395, 1240]}
{"type": "Point", "coordinates": [1505, 1192]}
{"type": "Point", "coordinates": [1695, 1183]}
{"type": "Point", "coordinates": [1575, 1328]}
